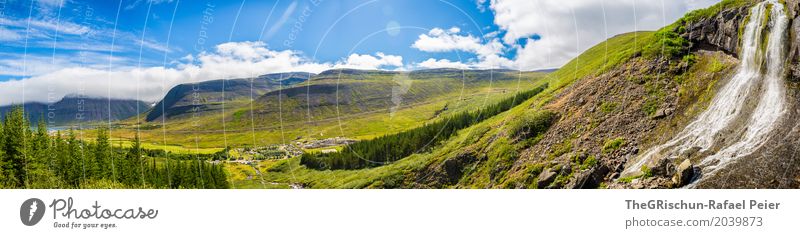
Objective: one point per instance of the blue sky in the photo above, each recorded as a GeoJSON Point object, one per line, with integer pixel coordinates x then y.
{"type": "Point", "coordinates": [55, 47]}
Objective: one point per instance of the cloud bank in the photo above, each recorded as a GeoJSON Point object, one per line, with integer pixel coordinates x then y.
{"type": "Point", "coordinates": [227, 61]}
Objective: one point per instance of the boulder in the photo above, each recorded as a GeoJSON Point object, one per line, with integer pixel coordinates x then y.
{"type": "Point", "coordinates": [662, 167]}
{"type": "Point", "coordinates": [684, 173]}
{"type": "Point", "coordinates": [686, 154]}
{"type": "Point", "coordinates": [660, 113]}
{"type": "Point", "coordinates": [545, 178]}
{"type": "Point", "coordinates": [591, 178]}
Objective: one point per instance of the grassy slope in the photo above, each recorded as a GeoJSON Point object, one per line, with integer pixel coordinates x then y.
{"type": "Point", "coordinates": [205, 130]}
{"type": "Point", "coordinates": [488, 140]}
{"type": "Point", "coordinates": [488, 135]}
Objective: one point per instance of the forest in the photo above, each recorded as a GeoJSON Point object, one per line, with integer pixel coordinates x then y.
{"type": "Point", "coordinates": [30, 157]}
{"type": "Point", "coordinates": [389, 148]}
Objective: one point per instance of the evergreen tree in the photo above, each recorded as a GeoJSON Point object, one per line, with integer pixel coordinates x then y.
{"type": "Point", "coordinates": [390, 148]}
{"type": "Point", "coordinates": [15, 133]}
{"type": "Point", "coordinates": [131, 168]}
{"type": "Point", "coordinates": [2, 156]}
{"type": "Point", "coordinates": [60, 155]}
{"type": "Point", "coordinates": [74, 160]}
{"type": "Point", "coordinates": [103, 154]}
{"type": "Point", "coordinates": [39, 169]}
{"type": "Point", "coordinates": [34, 159]}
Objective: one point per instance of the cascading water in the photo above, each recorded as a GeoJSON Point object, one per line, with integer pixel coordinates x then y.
{"type": "Point", "coordinates": [731, 127]}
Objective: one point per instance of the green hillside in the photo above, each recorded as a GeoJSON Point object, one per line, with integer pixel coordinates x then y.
{"type": "Point", "coordinates": [348, 103]}
{"type": "Point", "coordinates": [502, 151]}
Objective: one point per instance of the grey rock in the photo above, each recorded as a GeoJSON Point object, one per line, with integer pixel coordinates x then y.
{"type": "Point", "coordinates": [684, 173]}
{"type": "Point", "coordinates": [686, 154]}
{"type": "Point", "coordinates": [546, 178]}
{"type": "Point", "coordinates": [660, 113]}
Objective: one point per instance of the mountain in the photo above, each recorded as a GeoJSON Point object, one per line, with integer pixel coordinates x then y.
{"type": "Point", "coordinates": [207, 97]}
{"type": "Point", "coordinates": [707, 102]}
{"type": "Point", "coordinates": [332, 94]}
{"type": "Point", "coordinates": [73, 109]}
{"type": "Point", "coordinates": [348, 103]}
{"type": "Point", "coordinates": [710, 101]}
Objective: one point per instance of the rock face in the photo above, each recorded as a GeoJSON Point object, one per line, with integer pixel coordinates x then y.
{"type": "Point", "coordinates": [684, 173]}
{"type": "Point", "coordinates": [721, 32]}
{"type": "Point", "coordinates": [545, 178]}
{"type": "Point", "coordinates": [794, 50]}
{"type": "Point", "coordinates": [717, 33]}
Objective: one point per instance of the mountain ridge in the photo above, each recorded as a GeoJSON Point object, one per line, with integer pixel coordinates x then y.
{"type": "Point", "coordinates": [74, 108]}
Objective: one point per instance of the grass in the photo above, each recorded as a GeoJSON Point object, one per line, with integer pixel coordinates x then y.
{"type": "Point", "coordinates": [205, 131]}
{"type": "Point", "coordinates": [482, 136]}
{"type": "Point", "coordinates": [590, 161]}
{"type": "Point", "coordinates": [646, 173]}
{"type": "Point", "coordinates": [490, 137]}
{"type": "Point", "coordinates": [613, 145]}
{"type": "Point", "coordinates": [705, 13]}
{"type": "Point", "coordinates": [175, 149]}
{"type": "Point", "coordinates": [608, 107]}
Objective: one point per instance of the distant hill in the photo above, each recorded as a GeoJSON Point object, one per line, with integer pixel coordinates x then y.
{"type": "Point", "coordinates": [350, 91]}
{"type": "Point", "coordinates": [80, 109]}
{"type": "Point", "coordinates": [205, 97]}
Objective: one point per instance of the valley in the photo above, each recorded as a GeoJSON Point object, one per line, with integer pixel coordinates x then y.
{"type": "Point", "coordinates": [708, 101]}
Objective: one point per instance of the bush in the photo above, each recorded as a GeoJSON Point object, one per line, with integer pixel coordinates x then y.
{"type": "Point", "coordinates": [608, 107]}
{"type": "Point", "coordinates": [613, 145]}
{"type": "Point", "coordinates": [668, 44]}
{"type": "Point", "coordinates": [591, 161]}
{"type": "Point", "coordinates": [532, 125]}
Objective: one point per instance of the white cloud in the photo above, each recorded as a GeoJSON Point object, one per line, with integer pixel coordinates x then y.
{"type": "Point", "coordinates": [481, 5]}
{"type": "Point", "coordinates": [282, 20]}
{"type": "Point", "coordinates": [137, 2]}
{"type": "Point", "coordinates": [64, 27]}
{"type": "Point", "coordinates": [442, 63]}
{"type": "Point", "coordinates": [50, 4]}
{"type": "Point", "coordinates": [229, 60]}
{"type": "Point", "coordinates": [18, 65]}
{"type": "Point", "coordinates": [569, 27]}
{"type": "Point", "coordinates": [8, 35]}
{"type": "Point", "coordinates": [357, 61]}
{"type": "Point", "coordinates": [439, 40]}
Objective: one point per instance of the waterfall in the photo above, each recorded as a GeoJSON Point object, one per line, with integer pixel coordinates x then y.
{"type": "Point", "coordinates": [732, 127]}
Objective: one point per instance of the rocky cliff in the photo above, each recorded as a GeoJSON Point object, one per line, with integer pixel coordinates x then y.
{"type": "Point", "coordinates": [722, 31]}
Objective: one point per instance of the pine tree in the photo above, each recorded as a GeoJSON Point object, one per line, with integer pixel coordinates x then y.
{"type": "Point", "coordinates": [102, 154]}
{"type": "Point", "coordinates": [15, 133]}
{"type": "Point", "coordinates": [39, 168]}
{"type": "Point", "coordinates": [60, 156]}
{"type": "Point", "coordinates": [74, 160]}
{"type": "Point", "coordinates": [131, 168]}
{"type": "Point", "coordinates": [2, 156]}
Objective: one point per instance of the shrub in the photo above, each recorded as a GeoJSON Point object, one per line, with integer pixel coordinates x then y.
{"type": "Point", "coordinates": [591, 161]}
{"type": "Point", "coordinates": [646, 172]}
{"type": "Point", "coordinates": [613, 145]}
{"type": "Point", "coordinates": [608, 107]}
{"type": "Point", "coordinates": [532, 125]}
{"type": "Point", "coordinates": [668, 44]}
{"type": "Point", "coordinates": [650, 106]}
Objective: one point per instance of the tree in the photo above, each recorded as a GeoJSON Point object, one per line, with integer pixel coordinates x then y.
{"type": "Point", "coordinates": [39, 167]}
{"type": "Point", "coordinates": [103, 154]}
{"type": "Point", "coordinates": [14, 137]}
{"type": "Point", "coordinates": [390, 148]}
{"type": "Point", "coordinates": [73, 166]}
{"type": "Point", "coordinates": [2, 157]}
